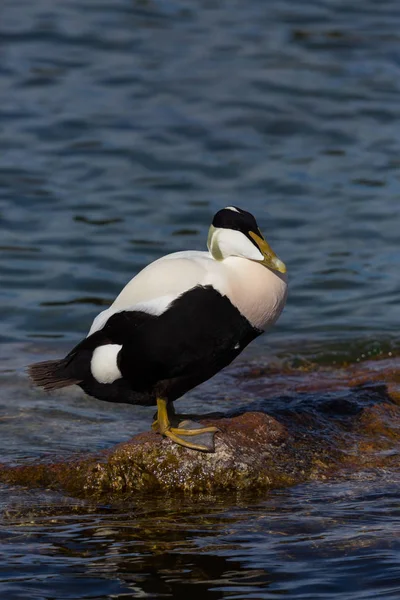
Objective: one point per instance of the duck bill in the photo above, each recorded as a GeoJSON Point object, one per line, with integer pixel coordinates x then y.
{"type": "Point", "coordinates": [270, 258]}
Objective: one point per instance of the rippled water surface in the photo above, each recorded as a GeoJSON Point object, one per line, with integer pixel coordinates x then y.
{"type": "Point", "coordinates": [313, 542]}
{"type": "Point", "coordinates": [124, 125]}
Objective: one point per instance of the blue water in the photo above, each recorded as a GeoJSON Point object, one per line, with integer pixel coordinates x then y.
{"type": "Point", "coordinates": [124, 126]}
{"type": "Point", "coordinates": [312, 542]}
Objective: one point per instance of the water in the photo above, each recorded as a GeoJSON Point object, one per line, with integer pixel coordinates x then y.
{"type": "Point", "coordinates": [313, 542]}
{"type": "Point", "coordinates": [123, 127]}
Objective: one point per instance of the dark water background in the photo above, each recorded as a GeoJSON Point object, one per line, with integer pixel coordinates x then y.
{"type": "Point", "coordinates": [124, 125]}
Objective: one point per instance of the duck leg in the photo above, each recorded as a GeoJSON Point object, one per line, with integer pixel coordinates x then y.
{"type": "Point", "coordinates": [163, 426]}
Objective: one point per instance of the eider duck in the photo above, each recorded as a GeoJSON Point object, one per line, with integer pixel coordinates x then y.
{"type": "Point", "coordinates": [177, 323]}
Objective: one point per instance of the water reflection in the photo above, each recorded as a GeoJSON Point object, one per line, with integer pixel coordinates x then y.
{"type": "Point", "coordinates": [315, 541]}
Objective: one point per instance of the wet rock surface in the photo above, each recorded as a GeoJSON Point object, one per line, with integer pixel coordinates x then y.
{"type": "Point", "coordinates": [300, 425]}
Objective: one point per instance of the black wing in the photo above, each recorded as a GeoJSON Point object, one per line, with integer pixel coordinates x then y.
{"type": "Point", "coordinates": [200, 331]}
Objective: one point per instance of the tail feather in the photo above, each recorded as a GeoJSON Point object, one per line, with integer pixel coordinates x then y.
{"type": "Point", "coordinates": [51, 374]}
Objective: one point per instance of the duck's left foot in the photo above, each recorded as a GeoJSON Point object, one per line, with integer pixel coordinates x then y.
{"type": "Point", "coordinates": [184, 433]}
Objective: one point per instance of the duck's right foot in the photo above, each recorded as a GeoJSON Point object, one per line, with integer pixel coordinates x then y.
{"type": "Point", "coordinates": [183, 435]}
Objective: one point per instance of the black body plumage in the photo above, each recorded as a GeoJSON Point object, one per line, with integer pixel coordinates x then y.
{"type": "Point", "coordinates": [163, 355]}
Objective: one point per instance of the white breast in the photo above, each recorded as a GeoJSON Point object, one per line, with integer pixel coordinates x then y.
{"type": "Point", "coordinates": [258, 292]}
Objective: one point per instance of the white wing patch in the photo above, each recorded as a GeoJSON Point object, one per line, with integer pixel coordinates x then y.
{"type": "Point", "coordinates": [155, 306]}
{"type": "Point", "coordinates": [101, 320]}
{"type": "Point", "coordinates": [231, 208]}
{"type": "Point", "coordinates": [104, 363]}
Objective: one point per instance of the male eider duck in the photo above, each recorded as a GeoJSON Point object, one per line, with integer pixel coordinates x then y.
{"type": "Point", "coordinates": [177, 323]}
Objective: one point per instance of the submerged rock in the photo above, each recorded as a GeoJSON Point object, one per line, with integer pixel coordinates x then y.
{"type": "Point", "coordinates": [313, 427]}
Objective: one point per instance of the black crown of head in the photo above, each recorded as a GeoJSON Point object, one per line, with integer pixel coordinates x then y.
{"type": "Point", "coordinates": [237, 219]}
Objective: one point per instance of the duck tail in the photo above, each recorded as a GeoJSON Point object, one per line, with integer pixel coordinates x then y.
{"type": "Point", "coordinates": [51, 374]}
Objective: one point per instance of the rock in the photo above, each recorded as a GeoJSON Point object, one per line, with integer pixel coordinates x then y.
{"type": "Point", "coordinates": [245, 449]}
{"type": "Point", "coordinates": [315, 427]}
